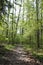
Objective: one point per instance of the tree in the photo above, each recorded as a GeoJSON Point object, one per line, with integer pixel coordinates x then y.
{"type": "Point", "coordinates": [37, 17]}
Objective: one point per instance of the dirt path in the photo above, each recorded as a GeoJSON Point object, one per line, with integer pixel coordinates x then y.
{"type": "Point", "coordinates": [18, 56]}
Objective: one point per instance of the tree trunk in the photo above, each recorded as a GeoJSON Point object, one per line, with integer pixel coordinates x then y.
{"type": "Point", "coordinates": [37, 16]}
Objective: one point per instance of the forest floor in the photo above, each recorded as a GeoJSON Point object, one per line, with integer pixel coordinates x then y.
{"type": "Point", "coordinates": [17, 56]}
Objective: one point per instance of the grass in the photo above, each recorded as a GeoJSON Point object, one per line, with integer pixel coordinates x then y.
{"type": "Point", "coordinates": [8, 46]}
{"type": "Point", "coordinates": [36, 53]}
{"type": "Point", "coordinates": [38, 56]}
{"type": "Point", "coordinates": [34, 50]}
{"type": "Point", "coordinates": [27, 47]}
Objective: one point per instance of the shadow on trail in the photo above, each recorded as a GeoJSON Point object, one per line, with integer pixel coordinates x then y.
{"type": "Point", "coordinates": [3, 55]}
{"type": "Point", "coordinates": [16, 56]}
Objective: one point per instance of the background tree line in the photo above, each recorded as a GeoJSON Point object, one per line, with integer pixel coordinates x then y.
{"type": "Point", "coordinates": [22, 22]}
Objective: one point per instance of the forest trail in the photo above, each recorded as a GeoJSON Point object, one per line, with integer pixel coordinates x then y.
{"type": "Point", "coordinates": [18, 56]}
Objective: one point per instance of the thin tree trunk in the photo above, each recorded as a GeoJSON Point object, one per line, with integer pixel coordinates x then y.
{"type": "Point", "coordinates": [37, 16]}
{"type": "Point", "coordinates": [12, 21]}
{"type": "Point", "coordinates": [41, 26]}
{"type": "Point", "coordinates": [23, 18]}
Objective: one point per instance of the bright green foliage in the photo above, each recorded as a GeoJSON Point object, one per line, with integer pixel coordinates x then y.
{"type": "Point", "coordinates": [22, 27]}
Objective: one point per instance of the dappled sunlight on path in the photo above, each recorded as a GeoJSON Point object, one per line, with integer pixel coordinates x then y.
{"type": "Point", "coordinates": [17, 56]}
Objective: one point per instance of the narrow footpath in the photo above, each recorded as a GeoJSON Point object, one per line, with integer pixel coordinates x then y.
{"type": "Point", "coordinates": [18, 56]}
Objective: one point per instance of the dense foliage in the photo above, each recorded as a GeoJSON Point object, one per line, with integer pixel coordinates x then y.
{"type": "Point", "coordinates": [22, 22]}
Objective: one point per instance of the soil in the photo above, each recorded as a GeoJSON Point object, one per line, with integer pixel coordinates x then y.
{"type": "Point", "coordinates": [17, 56]}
